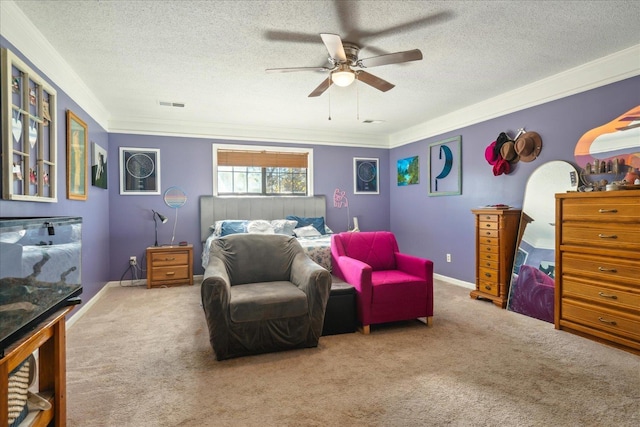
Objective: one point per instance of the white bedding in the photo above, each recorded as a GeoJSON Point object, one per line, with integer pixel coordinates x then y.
{"type": "Point", "coordinates": [318, 248]}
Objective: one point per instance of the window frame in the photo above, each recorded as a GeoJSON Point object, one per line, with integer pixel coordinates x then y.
{"type": "Point", "coordinates": [307, 151]}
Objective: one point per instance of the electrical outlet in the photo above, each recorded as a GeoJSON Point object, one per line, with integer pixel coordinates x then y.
{"type": "Point", "coordinates": [133, 260]}
{"type": "Point", "coordinates": [448, 257]}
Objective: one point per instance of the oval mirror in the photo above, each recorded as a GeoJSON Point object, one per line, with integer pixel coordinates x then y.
{"type": "Point", "coordinates": [533, 278]}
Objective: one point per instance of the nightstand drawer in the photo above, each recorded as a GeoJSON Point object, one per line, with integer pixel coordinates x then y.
{"type": "Point", "coordinates": [170, 273]}
{"type": "Point", "coordinates": [602, 319]}
{"type": "Point", "coordinates": [169, 258]}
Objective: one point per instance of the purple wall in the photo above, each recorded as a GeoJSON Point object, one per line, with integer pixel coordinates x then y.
{"type": "Point", "coordinates": [187, 162]}
{"type": "Point", "coordinates": [94, 211]}
{"type": "Point", "coordinates": [116, 227]}
{"type": "Point", "coordinates": [431, 227]}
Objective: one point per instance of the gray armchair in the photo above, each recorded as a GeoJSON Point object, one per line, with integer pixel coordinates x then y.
{"type": "Point", "coordinates": [262, 293]}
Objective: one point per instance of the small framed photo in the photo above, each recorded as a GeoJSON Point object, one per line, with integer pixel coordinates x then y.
{"type": "Point", "coordinates": [98, 166]}
{"type": "Point", "coordinates": [445, 172]}
{"type": "Point", "coordinates": [409, 171]}
{"type": "Point", "coordinates": [139, 171]}
{"type": "Point", "coordinates": [366, 176]}
{"type": "Point", "coordinates": [77, 157]}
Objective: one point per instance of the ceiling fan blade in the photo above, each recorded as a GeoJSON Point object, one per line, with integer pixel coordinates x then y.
{"type": "Point", "coordinates": [416, 24]}
{"type": "Point", "coordinates": [290, 36]}
{"type": "Point", "coordinates": [333, 42]}
{"type": "Point", "coordinates": [321, 88]}
{"type": "Point", "coordinates": [374, 81]}
{"type": "Point", "coordinates": [391, 58]}
{"type": "Point", "coordinates": [290, 70]}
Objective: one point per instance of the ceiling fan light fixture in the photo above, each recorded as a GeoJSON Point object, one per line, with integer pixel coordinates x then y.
{"type": "Point", "coordinates": [343, 76]}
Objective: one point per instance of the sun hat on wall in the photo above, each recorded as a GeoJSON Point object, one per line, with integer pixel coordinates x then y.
{"type": "Point", "coordinates": [501, 166]}
{"type": "Point", "coordinates": [528, 146]}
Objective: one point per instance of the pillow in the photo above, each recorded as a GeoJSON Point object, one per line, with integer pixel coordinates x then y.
{"type": "Point", "coordinates": [216, 228]}
{"type": "Point", "coordinates": [284, 226]}
{"type": "Point", "coordinates": [233, 227]}
{"type": "Point", "coordinates": [260, 226]}
{"type": "Point", "coordinates": [12, 236]}
{"type": "Point", "coordinates": [318, 222]}
{"type": "Point", "coordinates": [306, 231]}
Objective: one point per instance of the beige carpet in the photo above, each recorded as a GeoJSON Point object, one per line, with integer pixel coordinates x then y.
{"type": "Point", "coordinates": [141, 357]}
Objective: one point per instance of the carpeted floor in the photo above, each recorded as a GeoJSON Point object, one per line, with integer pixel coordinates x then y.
{"type": "Point", "coordinates": [141, 357]}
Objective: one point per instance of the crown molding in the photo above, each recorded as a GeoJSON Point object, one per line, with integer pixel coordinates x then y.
{"type": "Point", "coordinates": [227, 132]}
{"type": "Point", "coordinates": [20, 32]}
{"type": "Point", "coordinates": [609, 69]}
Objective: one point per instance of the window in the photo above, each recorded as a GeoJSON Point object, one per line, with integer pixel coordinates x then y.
{"type": "Point", "coordinates": [262, 171]}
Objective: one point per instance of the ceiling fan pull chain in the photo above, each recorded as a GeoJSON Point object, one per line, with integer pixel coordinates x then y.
{"type": "Point", "coordinates": [329, 102]}
{"type": "Point", "coordinates": [357, 99]}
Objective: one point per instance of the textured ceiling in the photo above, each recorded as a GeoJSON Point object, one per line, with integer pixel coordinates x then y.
{"type": "Point", "coordinates": [212, 56]}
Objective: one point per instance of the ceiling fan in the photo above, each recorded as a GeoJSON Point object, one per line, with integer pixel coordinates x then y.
{"type": "Point", "coordinates": [345, 66]}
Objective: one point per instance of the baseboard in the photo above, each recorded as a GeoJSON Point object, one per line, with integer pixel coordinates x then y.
{"type": "Point", "coordinates": [454, 281]}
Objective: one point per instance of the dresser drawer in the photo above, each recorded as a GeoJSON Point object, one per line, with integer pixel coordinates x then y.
{"type": "Point", "coordinates": [606, 209]}
{"type": "Point", "coordinates": [611, 236]}
{"type": "Point", "coordinates": [169, 258]}
{"type": "Point", "coordinates": [488, 275]}
{"type": "Point", "coordinates": [486, 263]}
{"type": "Point", "coordinates": [488, 256]}
{"type": "Point", "coordinates": [603, 268]}
{"type": "Point", "coordinates": [488, 233]}
{"type": "Point", "coordinates": [602, 319]}
{"type": "Point", "coordinates": [170, 273]}
{"type": "Point", "coordinates": [488, 218]}
{"type": "Point", "coordinates": [615, 296]}
{"type": "Point", "coordinates": [490, 288]}
{"type": "Point", "coordinates": [488, 241]}
{"type": "Point", "coordinates": [484, 225]}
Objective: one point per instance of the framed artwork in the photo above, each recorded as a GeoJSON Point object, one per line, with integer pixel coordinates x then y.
{"type": "Point", "coordinates": [408, 171]}
{"type": "Point", "coordinates": [519, 260]}
{"type": "Point", "coordinates": [98, 166]}
{"type": "Point", "coordinates": [366, 176]}
{"type": "Point", "coordinates": [139, 171]}
{"type": "Point", "coordinates": [77, 158]}
{"type": "Point", "coordinates": [445, 171]}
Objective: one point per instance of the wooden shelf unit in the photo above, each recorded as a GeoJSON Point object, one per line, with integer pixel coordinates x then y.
{"type": "Point", "coordinates": [169, 266]}
{"type": "Point", "coordinates": [49, 337]}
{"type": "Point", "coordinates": [496, 239]}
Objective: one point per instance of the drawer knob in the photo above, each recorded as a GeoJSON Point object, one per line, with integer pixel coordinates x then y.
{"type": "Point", "coordinates": [608, 322]}
{"type": "Point", "coordinates": [488, 264]}
{"type": "Point", "coordinates": [488, 248]}
{"type": "Point", "coordinates": [608, 210]}
{"type": "Point", "coordinates": [608, 270]}
{"type": "Point", "coordinates": [487, 287]}
{"type": "Point", "coordinates": [488, 225]}
{"type": "Point", "coordinates": [170, 273]}
{"type": "Point", "coordinates": [603, 295]}
{"type": "Point", "coordinates": [170, 259]}
{"type": "Point", "coordinates": [487, 274]}
{"type": "Point", "coordinates": [607, 236]}
{"type": "Point", "coordinates": [488, 233]}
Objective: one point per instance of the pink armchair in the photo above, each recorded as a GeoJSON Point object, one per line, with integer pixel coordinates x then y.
{"type": "Point", "coordinates": [390, 286]}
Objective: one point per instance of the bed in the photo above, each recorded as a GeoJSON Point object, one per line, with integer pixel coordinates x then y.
{"type": "Point", "coordinates": [218, 208]}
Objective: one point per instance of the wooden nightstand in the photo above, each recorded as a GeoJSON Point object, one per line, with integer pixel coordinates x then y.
{"type": "Point", "coordinates": [169, 266]}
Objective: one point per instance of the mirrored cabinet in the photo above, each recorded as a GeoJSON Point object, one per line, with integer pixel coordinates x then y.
{"type": "Point", "coordinates": [28, 133]}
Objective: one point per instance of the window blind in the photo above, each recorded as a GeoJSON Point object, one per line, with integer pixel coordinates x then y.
{"type": "Point", "coordinates": [265, 159]}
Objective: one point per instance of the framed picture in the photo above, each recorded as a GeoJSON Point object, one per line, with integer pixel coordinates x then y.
{"type": "Point", "coordinates": [445, 171]}
{"type": "Point", "coordinates": [98, 166]}
{"type": "Point", "coordinates": [139, 171]}
{"type": "Point", "coordinates": [408, 171]}
{"type": "Point", "coordinates": [77, 158]}
{"type": "Point", "coordinates": [366, 176]}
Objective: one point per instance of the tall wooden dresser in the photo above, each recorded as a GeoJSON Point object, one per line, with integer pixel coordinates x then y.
{"type": "Point", "coordinates": [597, 292]}
{"type": "Point", "coordinates": [496, 238]}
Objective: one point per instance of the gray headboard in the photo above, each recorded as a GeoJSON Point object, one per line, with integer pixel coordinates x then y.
{"type": "Point", "coordinates": [214, 208]}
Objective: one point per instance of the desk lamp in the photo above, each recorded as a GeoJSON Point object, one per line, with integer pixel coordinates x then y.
{"type": "Point", "coordinates": [162, 219]}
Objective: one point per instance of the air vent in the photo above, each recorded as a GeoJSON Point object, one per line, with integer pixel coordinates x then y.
{"type": "Point", "coordinates": [171, 104]}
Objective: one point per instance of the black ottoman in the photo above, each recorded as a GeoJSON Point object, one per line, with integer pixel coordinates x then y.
{"type": "Point", "coordinates": [340, 316]}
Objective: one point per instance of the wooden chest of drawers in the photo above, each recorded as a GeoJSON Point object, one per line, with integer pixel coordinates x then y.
{"type": "Point", "coordinates": [496, 236]}
{"type": "Point", "coordinates": [169, 266]}
{"type": "Point", "coordinates": [597, 291]}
